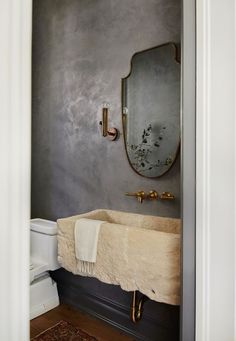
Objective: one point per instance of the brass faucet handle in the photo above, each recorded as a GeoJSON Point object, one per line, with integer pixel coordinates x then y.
{"type": "Point", "coordinates": [152, 195]}
{"type": "Point", "coordinates": [167, 196]}
{"type": "Point", "coordinates": [140, 195]}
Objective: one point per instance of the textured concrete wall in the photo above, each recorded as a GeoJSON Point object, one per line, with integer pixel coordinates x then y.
{"type": "Point", "coordinates": [81, 50]}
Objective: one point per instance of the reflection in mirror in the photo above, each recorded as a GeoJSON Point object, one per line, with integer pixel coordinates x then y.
{"type": "Point", "coordinates": [151, 110]}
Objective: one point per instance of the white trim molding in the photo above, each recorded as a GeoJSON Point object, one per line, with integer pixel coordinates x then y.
{"type": "Point", "coordinates": [216, 171]}
{"type": "Point", "coordinates": [15, 115]}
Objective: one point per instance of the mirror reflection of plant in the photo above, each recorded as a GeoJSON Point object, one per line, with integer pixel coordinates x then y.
{"type": "Point", "coordinates": [142, 151]}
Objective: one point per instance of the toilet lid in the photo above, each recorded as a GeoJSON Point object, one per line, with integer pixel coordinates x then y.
{"type": "Point", "coordinates": [43, 226]}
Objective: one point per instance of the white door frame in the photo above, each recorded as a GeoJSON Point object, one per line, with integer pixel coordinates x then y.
{"type": "Point", "coordinates": [15, 127]}
{"type": "Point", "coordinates": [216, 170]}
{"type": "Point", "coordinates": [215, 158]}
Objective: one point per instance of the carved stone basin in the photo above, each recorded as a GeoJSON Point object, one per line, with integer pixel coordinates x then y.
{"type": "Point", "coordinates": [137, 252]}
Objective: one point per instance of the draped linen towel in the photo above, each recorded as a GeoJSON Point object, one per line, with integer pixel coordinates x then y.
{"type": "Point", "coordinates": [86, 240]}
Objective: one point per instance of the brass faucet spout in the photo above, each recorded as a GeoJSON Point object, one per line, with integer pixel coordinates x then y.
{"type": "Point", "coordinates": [140, 195]}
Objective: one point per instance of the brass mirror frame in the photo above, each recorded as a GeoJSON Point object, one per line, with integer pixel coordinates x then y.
{"type": "Point", "coordinates": [177, 59]}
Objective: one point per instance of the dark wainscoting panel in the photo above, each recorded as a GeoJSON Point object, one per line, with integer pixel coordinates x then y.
{"type": "Point", "coordinates": [160, 322]}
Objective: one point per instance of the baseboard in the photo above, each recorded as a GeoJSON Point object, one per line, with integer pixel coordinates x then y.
{"type": "Point", "coordinates": [160, 322]}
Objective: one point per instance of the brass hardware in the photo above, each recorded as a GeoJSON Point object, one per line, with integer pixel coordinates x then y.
{"type": "Point", "coordinates": [136, 307]}
{"type": "Point", "coordinates": [104, 121]}
{"type": "Point", "coordinates": [139, 195]}
{"type": "Point", "coordinates": [111, 133]}
{"type": "Point", "coordinates": [167, 196]}
{"type": "Point", "coordinates": [152, 195]}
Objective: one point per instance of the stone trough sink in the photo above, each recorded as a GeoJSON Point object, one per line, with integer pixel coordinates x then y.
{"type": "Point", "coordinates": [137, 252]}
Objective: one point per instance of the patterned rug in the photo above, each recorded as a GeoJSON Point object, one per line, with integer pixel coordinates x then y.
{"type": "Point", "coordinates": [63, 331]}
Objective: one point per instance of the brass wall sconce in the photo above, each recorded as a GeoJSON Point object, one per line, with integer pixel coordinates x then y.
{"type": "Point", "coordinates": [111, 133]}
{"type": "Point", "coordinates": [151, 195]}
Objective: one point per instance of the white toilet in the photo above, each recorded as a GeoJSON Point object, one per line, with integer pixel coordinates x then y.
{"type": "Point", "coordinates": [43, 255]}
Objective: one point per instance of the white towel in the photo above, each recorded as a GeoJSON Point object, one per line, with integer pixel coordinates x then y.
{"type": "Point", "coordinates": [86, 240]}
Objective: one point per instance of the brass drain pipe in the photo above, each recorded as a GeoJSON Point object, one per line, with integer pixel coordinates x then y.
{"type": "Point", "coordinates": [136, 307]}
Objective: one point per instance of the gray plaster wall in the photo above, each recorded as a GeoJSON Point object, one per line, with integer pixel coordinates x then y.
{"type": "Point", "coordinates": [81, 50]}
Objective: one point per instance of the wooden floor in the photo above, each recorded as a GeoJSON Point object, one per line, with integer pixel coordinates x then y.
{"type": "Point", "coordinates": [94, 327]}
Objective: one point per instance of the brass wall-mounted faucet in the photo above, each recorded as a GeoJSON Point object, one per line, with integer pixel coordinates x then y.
{"type": "Point", "coordinates": [139, 195]}
{"type": "Point", "coordinates": [151, 195]}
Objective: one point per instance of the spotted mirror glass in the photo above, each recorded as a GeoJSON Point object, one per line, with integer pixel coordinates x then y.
{"type": "Point", "coordinates": [151, 110]}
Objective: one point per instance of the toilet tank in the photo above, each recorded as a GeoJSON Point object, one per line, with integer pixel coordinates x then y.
{"type": "Point", "coordinates": [43, 243]}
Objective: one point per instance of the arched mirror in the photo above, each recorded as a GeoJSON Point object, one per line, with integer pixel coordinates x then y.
{"type": "Point", "coordinates": [151, 110]}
